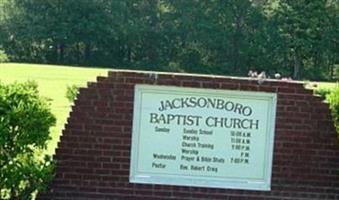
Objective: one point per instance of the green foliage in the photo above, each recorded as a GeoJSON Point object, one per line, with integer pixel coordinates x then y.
{"type": "Point", "coordinates": [336, 72]}
{"type": "Point", "coordinates": [293, 37]}
{"type": "Point", "coordinates": [323, 92]}
{"type": "Point", "coordinates": [333, 99]}
{"type": "Point", "coordinates": [3, 57]}
{"type": "Point", "coordinates": [71, 92]}
{"type": "Point", "coordinates": [25, 119]}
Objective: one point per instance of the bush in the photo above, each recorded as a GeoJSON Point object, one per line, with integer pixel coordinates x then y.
{"type": "Point", "coordinates": [333, 99]}
{"type": "Point", "coordinates": [323, 92]}
{"type": "Point", "coordinates": [71, 93]}
{"type": "Point", "coordinates": [25, 120]}
{"type": "Point", "coordinates": [3, 57]}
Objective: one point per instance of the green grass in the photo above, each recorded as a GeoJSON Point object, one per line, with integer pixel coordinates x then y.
{"type": "Point", "coordinates": [322, 85]}
{"type": "Point", "coordinates": [328, 85]}
{"type": "Point", "coordinates": [52, 81]}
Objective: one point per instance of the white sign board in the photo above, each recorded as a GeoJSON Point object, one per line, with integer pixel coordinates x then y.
{"type": "Point", "coordinates": [202, 137]}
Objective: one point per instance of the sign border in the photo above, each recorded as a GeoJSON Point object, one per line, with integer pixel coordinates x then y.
{"type": "Point", "coordinates": [226, 183]}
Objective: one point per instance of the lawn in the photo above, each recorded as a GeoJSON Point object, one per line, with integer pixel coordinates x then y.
{"type": "Point", "coordinates": [53, 81]}
{"type": "Point", "coordinates": [327, 84]}
{"type": "Point", "coordinates": [321, 85]}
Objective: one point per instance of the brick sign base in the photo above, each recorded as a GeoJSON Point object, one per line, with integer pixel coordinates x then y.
{"type": "Point", "coordinates": [93, 155]}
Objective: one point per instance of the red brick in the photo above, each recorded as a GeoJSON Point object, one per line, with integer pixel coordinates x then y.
{"type": "Point", "coordinates": [93, 155]}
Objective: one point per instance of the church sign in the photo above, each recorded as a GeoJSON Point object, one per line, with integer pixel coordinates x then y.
{"type": "Point", "coordinates": [202, 137]}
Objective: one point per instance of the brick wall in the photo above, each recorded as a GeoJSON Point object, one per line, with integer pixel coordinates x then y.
{"type": "Point", "coordinates": [93, 155]}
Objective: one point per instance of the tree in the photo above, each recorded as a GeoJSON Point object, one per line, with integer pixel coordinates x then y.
{"type": "Point", "coordinates": [294, 37]}
{"type": "Point", "coordinates": [25, 119]}
{"type": "Point", "coordinates": [306, 27]}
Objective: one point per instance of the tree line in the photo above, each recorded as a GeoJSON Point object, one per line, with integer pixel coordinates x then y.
{"type": "Point", "coordinates": [297, 38]}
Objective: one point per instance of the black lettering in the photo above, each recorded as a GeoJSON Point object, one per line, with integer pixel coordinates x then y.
{"type": "Point", "coordinates": [197, 120]}
{"type": "Point", "coordinates": [184, 102]}
{"type": "Point", "coordinates": [162, 106]}
{"type": "Point", "coordinates": [208, 120]}
{"type": "Point", "coordinates": [162, 119]}
{"type": "Point", "coordinates": [229, 106]}
{"type": "Point", "coordinates": [170, 118]}
{"type": "Point", "coordinates": [247, 111]}
{"type": "Point", "coordinates": [154, 118]}
{"type": "Point", "coordinates": [220, 104]}
{"type": "Point", "coordinates": [238, 108]}
{"type": "Point", "coordinates": [193, 102]}
{"type": "Point", "coordinates": [244, 122]}
{"type": "Point", "coordinates": [174, 104]}
{"type": "Point", "coordinates": [211, 102]}
{"type": "Point", "coordinates": [189, 120]}
{"type": "Point", "coordinates": [202, 102]}
{"type": "Point", "coordinates": [256, 124]}
{"type": "Point", "coordinates": [236, 123]}
{"type": "Point", "coordinates": [168, 104]}
{"type": "Point", "coordinates": [229, 125]}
